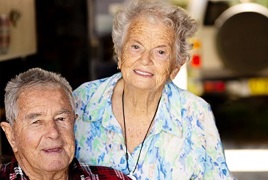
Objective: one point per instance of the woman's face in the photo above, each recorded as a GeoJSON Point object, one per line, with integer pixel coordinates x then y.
{"type": "Point", "coordinates": [148, 57]}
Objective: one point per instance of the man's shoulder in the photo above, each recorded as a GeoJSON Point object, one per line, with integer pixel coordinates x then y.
{"type": "Point", "coordinates": [5, 170]}
{"type": "Point", "coordinates": [103, 172]}
{"type": "Point", "coordinates": [96, 172]}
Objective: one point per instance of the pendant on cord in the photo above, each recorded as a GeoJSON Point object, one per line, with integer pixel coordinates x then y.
{"type": "Point", "coordinates": [142, 143]}
{"type": "Point", "coordinates": [132, 176]}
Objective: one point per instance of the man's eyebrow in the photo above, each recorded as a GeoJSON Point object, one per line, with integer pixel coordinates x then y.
{"type": "Point", "coordinates": [63, 111]}
{"type": "Point", "coordinates": [32, 115]}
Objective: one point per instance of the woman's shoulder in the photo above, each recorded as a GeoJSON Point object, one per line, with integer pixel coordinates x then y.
{"type": "Point", "coordinates": [185, 96]}
{"type": "Point", "coordinates": [92, 86]}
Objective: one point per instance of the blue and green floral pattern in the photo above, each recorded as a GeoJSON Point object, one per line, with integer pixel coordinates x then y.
{"type": "Point", "coordinates": [183, 143]}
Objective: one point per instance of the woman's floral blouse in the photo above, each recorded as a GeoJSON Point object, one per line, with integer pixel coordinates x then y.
{"type": "Point", "coordinates": [183, 142]}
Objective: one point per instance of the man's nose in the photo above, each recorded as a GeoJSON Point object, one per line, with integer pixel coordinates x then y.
{"type": "Point", "coordinates": [52, 130]}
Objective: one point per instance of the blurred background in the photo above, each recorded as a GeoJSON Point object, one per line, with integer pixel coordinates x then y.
{"type": "Point", "coordinates": [229, 65]}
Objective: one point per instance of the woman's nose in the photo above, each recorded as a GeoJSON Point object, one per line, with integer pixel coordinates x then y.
{"type": "Point", "coordinates": [146, 58]}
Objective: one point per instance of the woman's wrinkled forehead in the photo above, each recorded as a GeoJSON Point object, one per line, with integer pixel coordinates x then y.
{"type": "Point", "coordinates": [146, 29]}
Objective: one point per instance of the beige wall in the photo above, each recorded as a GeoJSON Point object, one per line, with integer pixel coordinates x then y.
{"type": "Point", "coordinates": [23, 35]}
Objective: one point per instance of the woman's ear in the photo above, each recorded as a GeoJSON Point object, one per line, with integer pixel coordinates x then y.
{"type": "Point", "coordinates": [7, 128]}
{"type": "Point", "coordinates": [175, 71]}
{"type": "Point", "coordinates": [118, 63]}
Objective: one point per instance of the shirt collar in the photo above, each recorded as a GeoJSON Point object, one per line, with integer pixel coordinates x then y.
{"type": "Point", "coordinates": [15, 171]}
{"type": "Point", "coordinates": [103, 98]}
{"type": "Point", "coordinates": [168, 117]}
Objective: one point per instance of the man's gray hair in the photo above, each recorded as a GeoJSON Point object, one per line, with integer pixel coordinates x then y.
{"type": "Point", "coordinates": [35, 77]}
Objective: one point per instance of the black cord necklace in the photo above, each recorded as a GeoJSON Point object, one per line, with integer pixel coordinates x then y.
{"type": "Point", "coordinates": [123, 109]}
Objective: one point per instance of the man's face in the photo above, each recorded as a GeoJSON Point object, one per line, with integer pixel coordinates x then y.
{"type": "Point", "coordinates": [42, 136]}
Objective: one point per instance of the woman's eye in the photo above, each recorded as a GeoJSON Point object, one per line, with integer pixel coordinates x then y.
{"type": "Point", "coordinates": [161, 52]}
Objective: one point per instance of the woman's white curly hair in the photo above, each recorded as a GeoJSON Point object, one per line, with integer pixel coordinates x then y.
{"type": "Point", "coordinates": [155, 10]}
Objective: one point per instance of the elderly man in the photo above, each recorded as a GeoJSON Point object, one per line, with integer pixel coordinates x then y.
{"type": "Point", "coordinates": [40, 119]}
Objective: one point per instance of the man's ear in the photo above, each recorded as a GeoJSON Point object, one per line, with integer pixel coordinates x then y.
{"type": "Point", "coordinates": [175, 71]}
{"type": "Point", "coordinates": [7, 128]}
{"type": "Point", "coordinates": [75, 117]}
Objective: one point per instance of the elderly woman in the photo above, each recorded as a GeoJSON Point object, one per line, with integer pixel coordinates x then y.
{"type": "Point", "coordinates": [138, 121]}
{"type": "Point", "coordinates": [40, 113]}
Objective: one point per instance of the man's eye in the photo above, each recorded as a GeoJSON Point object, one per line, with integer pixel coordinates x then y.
{"type": "Point", "coordinates": [135, 46]}
{"type": "Point", "coordinates": [60, 119]}
{"type": "Point", "coordinates": [36, 122]}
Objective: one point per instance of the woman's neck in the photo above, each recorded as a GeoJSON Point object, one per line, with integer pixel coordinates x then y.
{"type": "Point", "coordinates": [135, 110]}
{"type": "Point", "coordinates": [140, 100]}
